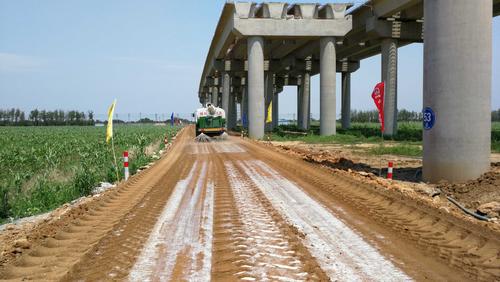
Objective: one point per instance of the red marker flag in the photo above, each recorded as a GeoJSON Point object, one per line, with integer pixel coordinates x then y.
{"type": "Point", "coordinates": [378, 98]}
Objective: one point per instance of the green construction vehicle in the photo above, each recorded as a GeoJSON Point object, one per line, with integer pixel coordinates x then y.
{"type": "Point", "coordinates": [210, 120]}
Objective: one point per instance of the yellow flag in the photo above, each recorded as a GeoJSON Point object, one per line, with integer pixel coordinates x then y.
{"type": "Point", "coordinates": [109, 129]}
{"type": "Point", "coordinates": [270, 113]}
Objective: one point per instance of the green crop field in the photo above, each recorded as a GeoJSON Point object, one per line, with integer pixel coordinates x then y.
{"type": "Point", "coordinates": [44, 167]}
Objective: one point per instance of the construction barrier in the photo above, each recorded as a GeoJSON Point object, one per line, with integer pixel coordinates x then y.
{"type": "Point", "coordinates": [125, 164]}
{"type": "Point", "coordinates": [389, 171]}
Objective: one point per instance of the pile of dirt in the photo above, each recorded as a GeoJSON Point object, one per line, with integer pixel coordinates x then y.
{"type": "Point", "coordinates": [475, 193]}
{"type": "Point", "coordinates": [404, 170]}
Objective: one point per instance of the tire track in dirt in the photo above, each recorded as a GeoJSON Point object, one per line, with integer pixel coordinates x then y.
{"type": "Point", "coordinates": [274, 255]}
{"type": "Point", "coordinates": [469, 250]}
{"type": "Point", "coordinates": [340, 251]}
{"type": "Point", "coordinates": [229, 253]}
{"type": "Point", "coordinates": [81, 229]}
{"type": "Point", "coordinates": [251, 240]}
{"type": "Point", "coordinates": [113, 256]}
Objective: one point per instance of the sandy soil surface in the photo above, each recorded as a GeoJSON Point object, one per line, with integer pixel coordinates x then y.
{"type": "Point", "coordinates": [242, 210]}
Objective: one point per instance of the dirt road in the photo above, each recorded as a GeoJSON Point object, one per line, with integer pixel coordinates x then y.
{"type": "Point", "coordinates": [236, 210]}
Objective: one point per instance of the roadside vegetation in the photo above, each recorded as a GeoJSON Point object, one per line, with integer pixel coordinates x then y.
{"type": "Point", "coordinates": [44, 167]}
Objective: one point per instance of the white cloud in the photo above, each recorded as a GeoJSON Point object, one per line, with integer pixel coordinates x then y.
{"type": "Point", "coordinates": [10, 62]}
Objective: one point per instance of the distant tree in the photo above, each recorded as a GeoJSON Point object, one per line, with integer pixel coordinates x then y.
{"type": "Point", "coordinates": [145, 120]}
{"type": "Point", "coordinates": [22, 119]}
{"type": "Point", "coordinates": [90, 116]}
{"type": "Point", "coordinates": [34, 116]}
{"type": "Point", "coordinates": [495, 115]}
{"type": "Point", "coordinates": [17, 115]}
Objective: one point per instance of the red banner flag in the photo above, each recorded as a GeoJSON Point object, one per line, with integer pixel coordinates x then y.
{"type": "Point", "coordinates": [378, 98]}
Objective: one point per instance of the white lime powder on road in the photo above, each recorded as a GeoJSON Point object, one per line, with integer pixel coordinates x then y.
{"type": "Point", "coordinates": [340, 251]}
{"type": "Point", "coordinates": [185, 225]}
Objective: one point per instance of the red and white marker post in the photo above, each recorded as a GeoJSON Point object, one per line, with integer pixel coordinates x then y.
{"type": "Point", "coordinates": [389, 171]}
{"type": "Point", "coordinates": [125, 164]}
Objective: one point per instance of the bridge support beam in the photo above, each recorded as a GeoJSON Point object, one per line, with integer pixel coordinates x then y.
{"type": "Point", "coordinates": [269, 76]}
{"type": "Point", "coordinates": [244, 107]}
{"type": "Point", "coordinates": [226, 89]}
{"type": "Point", "coordinates": [255, 87]}
{"type": "Point", "coordinates": [232, 115]}
{"type": "Point", "coordinates": [457, 88]}
{"type": "Point", "coordinates": [327, 86]}
{"type": "Point", "coordinates": [215, 95]}
{"type": "Point", "coordinates": [390, 77]}
{"type": "Point", "coordinates": [299, 106]}
{"type": "Point", "coordinates": [346, 100]}
{"type": "Point", "coordinates": [305, 102]}
{"type": "Point", "coordinates": [275, 110]}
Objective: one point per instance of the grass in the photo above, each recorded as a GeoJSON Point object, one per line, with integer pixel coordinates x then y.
{"type": "Point", "coordinates": [44, 167]}
{"type": "Point", "coordinates": [495, 126]}
{"type": "Point", "coordinates": [400, 150]}
{"type": "Point", "coordinates": [495, 137]}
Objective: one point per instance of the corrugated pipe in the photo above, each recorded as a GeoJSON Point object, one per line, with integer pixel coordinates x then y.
{"type": "Point", "coordinates": [477, 216]}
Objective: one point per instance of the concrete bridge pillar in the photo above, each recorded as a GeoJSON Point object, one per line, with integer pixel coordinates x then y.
{"type": "Point", "coordinates": [206, 98]}
{"type": "Point", "coordinates": [244, 107]}
{"type": "Point", "coordinates": [390, 77]}
{"type": "Point", "coordinates": [299, 106]}
{"type": "Point", "coordinates": [275, 110]}
{"type": "Point", "coordinates": [256, 86]}
{"type": "Point", "coordinates": [215, 95]}
{"type": "Point", "coordinates": [346, 100]}
{"type": "Point", "coordinates": [457, 89]}
{"type": "Point", "coordinates": [231, 115]}
{"type": "Point", "coordinates": [226, 88]}
{"type": "Point", "coordinates": [305, 101]}
{"type": "Point", "coordinates": [269, 77]}
{"type": "Point", "coordinates": [202, 99]}
{"type": "Point", "coordinates": [327, 86]}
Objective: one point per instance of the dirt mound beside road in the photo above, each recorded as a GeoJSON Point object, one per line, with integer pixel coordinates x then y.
{"type": "Point", "coordinates": [475, 193]}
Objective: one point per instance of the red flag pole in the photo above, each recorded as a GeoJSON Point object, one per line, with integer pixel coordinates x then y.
{"type": "Point", "coordinates": [378, 96]}
{"type": "Point", "coordinates": [382, 146]}
{"type": "Point", "coordinates": [382, 127]}
{"type": "Point", "coordinates": [382, 133]}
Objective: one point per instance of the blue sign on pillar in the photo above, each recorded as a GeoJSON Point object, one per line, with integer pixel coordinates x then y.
{"type": "Point", "coordinates": [244, 121]}
{"type": "Point", "coordinates": [429, 118]}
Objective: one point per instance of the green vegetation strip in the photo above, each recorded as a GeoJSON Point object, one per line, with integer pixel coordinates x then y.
{"type": "Point", "coordinates": [44, 167]}
{"type": "Point", "coordinates": [400, 150]}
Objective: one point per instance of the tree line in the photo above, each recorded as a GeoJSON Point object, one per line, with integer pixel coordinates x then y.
{"type": "Point", "coordinates": [495, 115]}
{"type": "Point", "coordinates": [44, 118]}
{"type": "Point", "coordinates": [372, 116]}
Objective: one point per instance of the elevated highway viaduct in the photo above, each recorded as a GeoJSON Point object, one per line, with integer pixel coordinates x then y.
{"type": "Point", "coordinates": [258, 48]}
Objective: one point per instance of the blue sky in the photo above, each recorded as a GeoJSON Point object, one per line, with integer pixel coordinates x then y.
{"type": "Point", "coordinates": [59, 54]}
